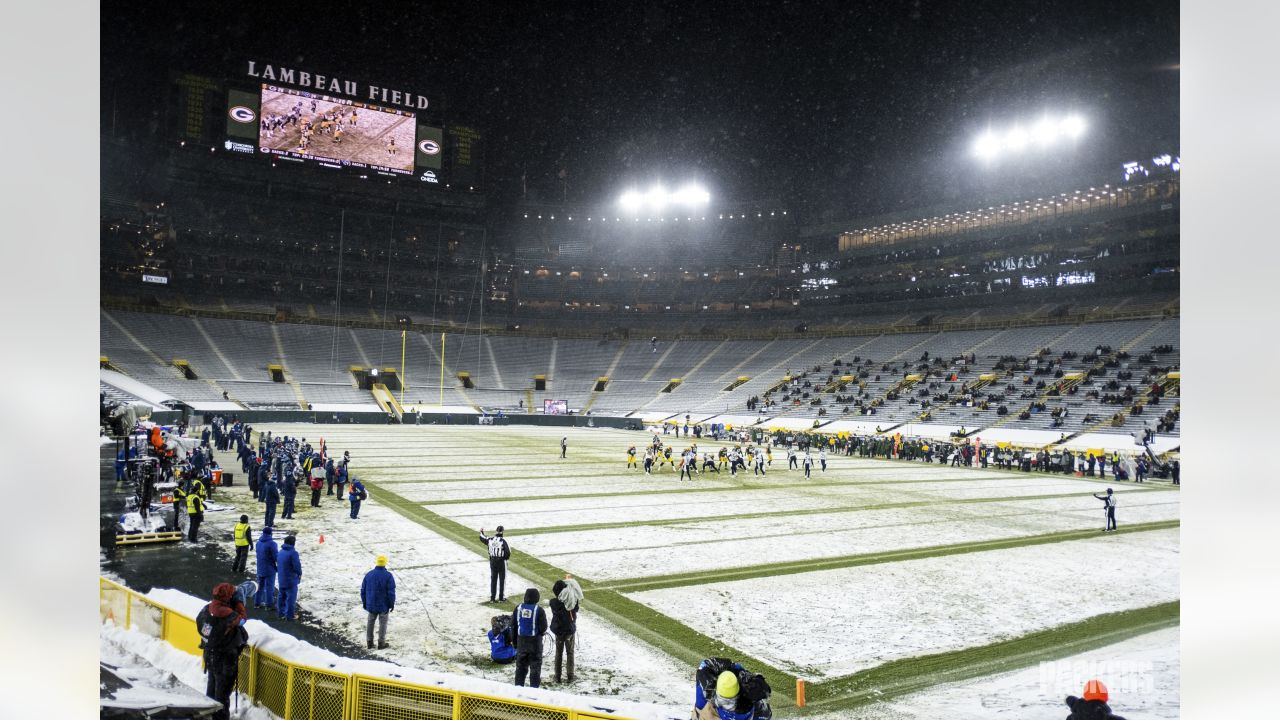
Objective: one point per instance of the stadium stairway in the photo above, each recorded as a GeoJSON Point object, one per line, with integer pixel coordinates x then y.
{"type": "Point", "coordinates": [288, 376]}
{"type": "Point", "coordinates": [661, 358]}
{"type": "Point", "coordinates": [355, 343]}
{"type": "Point", "coordinates": [613, 366]}
{"type": "Point", "coordinates": [387, 400]}
{"type": "Point", "coordinates": [133, 338]}
{"type": "Point", "coordinates": [493, 362]}
{"type": "Point", "coordinates": [705, 358]}
{"type": "Point", "coordinates": [734, 371]}
{"type": "Point", "coordinates": [235, 374]}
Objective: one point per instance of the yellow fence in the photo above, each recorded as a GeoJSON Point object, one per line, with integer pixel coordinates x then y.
{"type": "Point", "coordinates": [299, 692]}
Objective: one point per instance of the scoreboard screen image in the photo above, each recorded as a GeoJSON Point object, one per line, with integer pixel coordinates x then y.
{"type": "Point", "coordinates": [555, 407]}
{"type": "Point", "coordinates": [312, 126]}
{"type": "Point", "coordinates": [332, 132]}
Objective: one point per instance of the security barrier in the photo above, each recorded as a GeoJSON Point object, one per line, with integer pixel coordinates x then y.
{"type": "Point", "coordinates": [298, 692]}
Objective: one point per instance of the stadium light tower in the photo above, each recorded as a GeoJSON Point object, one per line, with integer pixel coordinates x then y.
{"type": "Point", "coordinates": [657, 198]}
{"type": "Point", "coordinates": [1044, 134]}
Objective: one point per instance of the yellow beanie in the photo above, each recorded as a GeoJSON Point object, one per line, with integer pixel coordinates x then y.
{"type": "Point", "coordinates": [382, 561]}
{"type": "Point", "coordinates": [727, 685]}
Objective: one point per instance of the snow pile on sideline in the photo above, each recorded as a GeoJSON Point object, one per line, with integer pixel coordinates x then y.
{"type": "Point", "coordinates": [156, 668]}
{"type": "Point", "coordinates": [268, 639]}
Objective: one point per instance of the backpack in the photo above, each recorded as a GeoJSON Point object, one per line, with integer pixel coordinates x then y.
{"type": "Point", "coordinates": [364, 495]}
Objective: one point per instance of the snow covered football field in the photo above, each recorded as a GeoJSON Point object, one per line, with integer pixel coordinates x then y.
{"type": "Point", "coordinates": [844, 580]}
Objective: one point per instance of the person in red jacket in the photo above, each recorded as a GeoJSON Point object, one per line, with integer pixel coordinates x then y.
{"type": "Point", "coordinates": [317, 484]}
{"type": "Point", "coordinates": [222, 637]}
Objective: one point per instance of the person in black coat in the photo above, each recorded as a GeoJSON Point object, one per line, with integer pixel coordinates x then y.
{"type": "Point", "coordinates": [499, 554]}
{"type": "Point", "coordinates": [564, 626]}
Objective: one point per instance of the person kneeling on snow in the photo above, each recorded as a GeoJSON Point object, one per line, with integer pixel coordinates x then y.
{"type": "Point", "coordinates": [724, 690]}
{"type": "Point", "coordinates": [501, 650]}
{"type": "Point", "coordinates": [1093, 706]}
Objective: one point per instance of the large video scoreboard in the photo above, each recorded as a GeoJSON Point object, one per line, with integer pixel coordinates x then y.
{"type": "Point", "coordinates": [291, 115]}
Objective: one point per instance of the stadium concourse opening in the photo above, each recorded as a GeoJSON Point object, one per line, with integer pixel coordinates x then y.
{"type": "Point", "coordinates": [601, 380]}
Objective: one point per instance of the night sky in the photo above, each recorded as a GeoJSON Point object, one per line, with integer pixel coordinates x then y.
{"type": "Point", "coordinates": [838, 110]}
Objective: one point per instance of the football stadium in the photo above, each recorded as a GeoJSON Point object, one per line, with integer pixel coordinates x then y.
{"type": "Point", "coordinates": [655, 372]}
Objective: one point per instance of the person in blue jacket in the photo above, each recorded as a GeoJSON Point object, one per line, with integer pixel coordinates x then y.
{"type": "Point", "coordinates": [120, 463]}
{"type": "Point", "coordinates": [288, 576]}
{"type": "Point", "coordinates": [529, 621]}
{"type": "Point", "coordinates": [272, 494]}
{"type": "Point", "coordinates": [356, 495]}
{"type": "Point", "coordinates": [266, 550]}
{"type": "Point", "coordinates": [724, 690]}
{"type": "Point", "coordinates": [378, 598]}
{"type": "Point", "coordinates": [501, 650]}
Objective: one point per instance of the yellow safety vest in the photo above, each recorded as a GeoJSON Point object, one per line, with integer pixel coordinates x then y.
{"type": "Point", "coordinates": [194, 504]}
{"type": "Point", "coordinates": [242, 534]}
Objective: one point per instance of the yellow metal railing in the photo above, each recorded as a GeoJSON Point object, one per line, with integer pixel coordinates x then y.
{"type": "Point", "coordinates": [298, 692]}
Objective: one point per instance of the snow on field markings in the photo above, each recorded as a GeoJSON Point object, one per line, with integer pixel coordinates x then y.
{"type": "Point", "coordinates": [777, 513]}
{"type": "Point", "coordinates": [634, 493]}
{"type": "Point", "coordinates": [824, 530]}
{"type": "Point", "coordinates": [1145, 669]}
{"type": "Point", "coordinates": [623, 508]}
{"type": "Point", "coordinates": [908, 675]}
{"type": "Point", "coordinates": [705, 577]}
{"type": "Point", "coordinates": [928, 605]}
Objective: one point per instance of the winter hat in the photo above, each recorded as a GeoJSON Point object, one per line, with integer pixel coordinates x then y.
{"type": "Point", "coordinates": [555, 589]}
{"type": "Point", "coordinates": [290, 540]}
{"type": "Point", "coordinates": [244, 518]}
{"type": "Point", "coordinates": [499, 529]}
{"type": "Point", "coordinates": [1095, 690]}
{"type": "Point", "coordinates": [266, 530]}
{"type": "Point", "coordinates": [532, 595]}
{"type": "Point", "coordinates": [382, 561]}
{"type": "Point", "coordinates": [223, 592]}
{"type": "Point", "coordinates": [727, 685]}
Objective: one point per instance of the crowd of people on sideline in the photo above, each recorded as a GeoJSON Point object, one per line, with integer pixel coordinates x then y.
{"type": "Point", "coordinates": [754, 451]}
